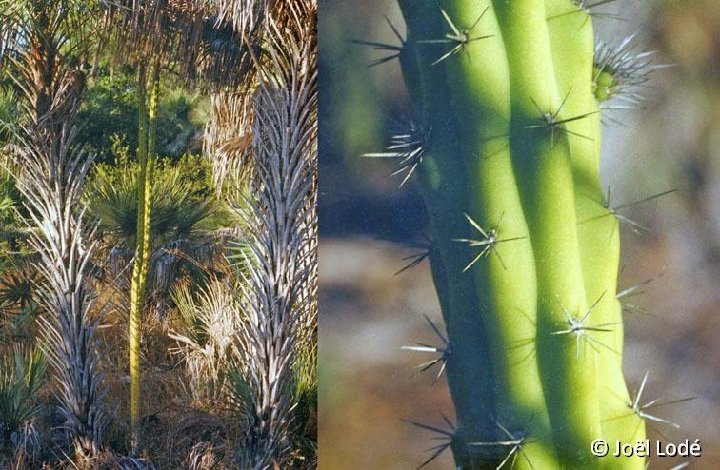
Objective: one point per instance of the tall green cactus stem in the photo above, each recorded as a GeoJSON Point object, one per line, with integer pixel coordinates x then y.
{"type": "Point", "coordinates": [479, 96]}
{"type": "Point", "coordinates": [541, 156]}
{"type": "Point", "coordinates": [524, 260]}
{"type": "Point", "coordinates": [444, 178]}
{"type": "Point", "coordinates": [573, 53]}
{"type": "Point", "coordinates": [146, 161]}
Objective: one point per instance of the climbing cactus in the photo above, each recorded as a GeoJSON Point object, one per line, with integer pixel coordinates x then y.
{"type": "Point", "coordinates": [505, 142]}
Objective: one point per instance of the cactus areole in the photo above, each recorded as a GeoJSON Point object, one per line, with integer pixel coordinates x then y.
{"type": "Point", "coordinates": [525, 247]}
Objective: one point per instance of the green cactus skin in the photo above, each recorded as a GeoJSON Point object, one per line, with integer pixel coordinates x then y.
{"type": "Point", "coordinates": [573, 49]}
{"type": "Point", "coordinates": [510, 100]}
{"type": "Point", "coordinates": [444, 178]}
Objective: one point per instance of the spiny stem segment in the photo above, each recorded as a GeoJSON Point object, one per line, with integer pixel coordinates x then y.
{"type": "Point", "coordinates": [581, 330]}
{"type": "Point", "coordinates": [461, 38]}
{"type": "Point", "coordinates": [551, 122]}
{"type": "Point", "coordinates": [408, 145]}
{"type": "Point", "coordinates": [488, 243]}
{"type": "Point", "coordinates": [508, 89]}
{"type": "Point", "coordinates": [515, 441]}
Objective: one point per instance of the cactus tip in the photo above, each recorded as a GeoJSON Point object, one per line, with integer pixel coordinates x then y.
{"type": "Point", "coordinates": [621, 71]}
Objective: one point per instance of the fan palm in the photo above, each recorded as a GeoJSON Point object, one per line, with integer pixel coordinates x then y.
{"type": "Point", "coordinates": [182, 236]}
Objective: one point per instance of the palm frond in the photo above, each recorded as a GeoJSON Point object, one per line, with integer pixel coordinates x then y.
{"type": "Point", "coordinates": [279, 289]}
{"type": "Point", "coordinates": [210, 319]}
{"type": "Point", "coordinates": [46, 67]}
{"type": "Point", "coordinates": [51, 182]}
{"type": "Point", "coordinates": [178, 210]}
{"type": "Point", "coordinates": [228, 139]}
{"type": "Point", "coordinates": [203, 456]}
{"type": "Point", "coordinates": [144, 30]}
{"type": "Point", "coordinates": [22, 370]}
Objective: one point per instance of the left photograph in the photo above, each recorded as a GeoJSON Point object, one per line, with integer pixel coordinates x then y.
{"type": "Point", "coordinates": [158, 234]}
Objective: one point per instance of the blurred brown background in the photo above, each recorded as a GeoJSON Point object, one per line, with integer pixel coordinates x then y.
{"type": "Point", "coordinates": [369, 386]}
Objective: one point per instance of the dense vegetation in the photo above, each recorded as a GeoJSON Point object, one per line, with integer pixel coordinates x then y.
{"type": "Point", "coordinates": [140, 153]}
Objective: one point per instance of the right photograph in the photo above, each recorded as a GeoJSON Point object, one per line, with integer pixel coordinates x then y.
{"type": "Point", "coordinates": [519, 224]}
